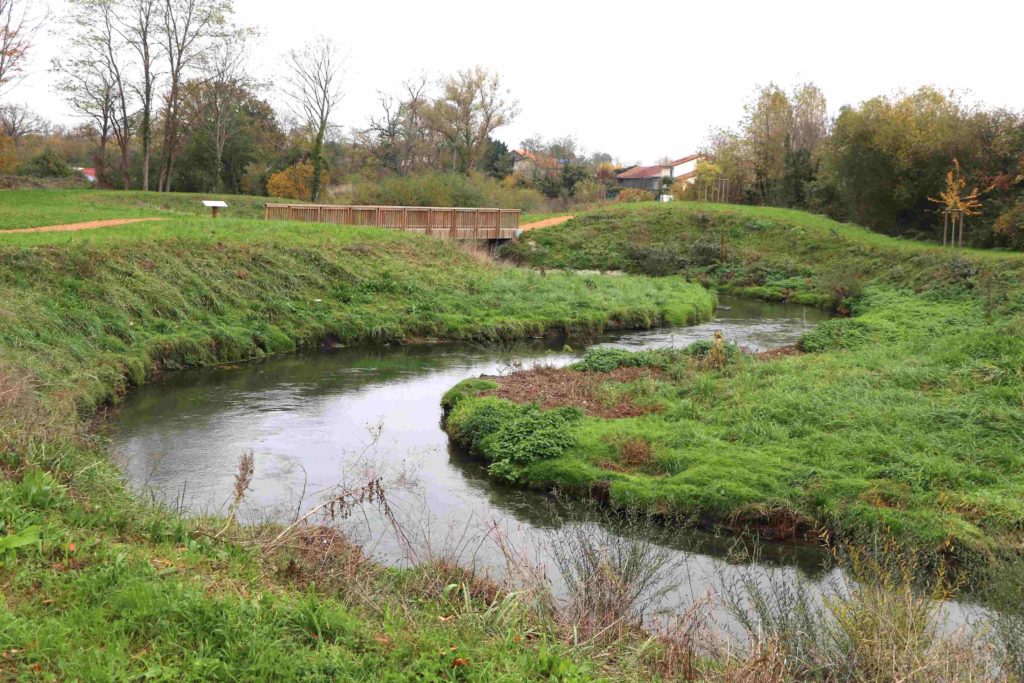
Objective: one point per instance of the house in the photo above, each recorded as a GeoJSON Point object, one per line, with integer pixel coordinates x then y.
{"type": "Point", "coordinates": [526, 163]}
{"type": "Point", "coordinates": [656, 178]}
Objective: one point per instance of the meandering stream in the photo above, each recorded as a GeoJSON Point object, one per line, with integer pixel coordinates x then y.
{"type": "Point", "coordinates": [314, 420]}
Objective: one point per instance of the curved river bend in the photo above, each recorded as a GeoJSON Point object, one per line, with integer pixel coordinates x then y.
{"type": "Point", "coordinates": [314, 420]}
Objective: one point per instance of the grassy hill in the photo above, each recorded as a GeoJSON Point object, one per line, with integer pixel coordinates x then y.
{"type": "Point", "coordinates": [98, 585]}
{"type": "Point", "coordinates": [904, 419]}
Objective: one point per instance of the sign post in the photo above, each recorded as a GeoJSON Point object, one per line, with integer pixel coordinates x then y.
{"type": "Point", "coordinates": [215, 205]}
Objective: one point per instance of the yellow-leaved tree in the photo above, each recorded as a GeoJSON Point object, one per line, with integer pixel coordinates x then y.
{"type": "Point", "coordinates": [956, 203]}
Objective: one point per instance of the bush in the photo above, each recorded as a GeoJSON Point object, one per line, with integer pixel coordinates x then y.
{"type": "Point", "coordinates": [1009, 227]}
{"type": "Point", "coordinates": [47, 164]}
{"type": "Point", "coordinates": [606, 360]}
{"type": "Point", "coordinates": [512, 436]}
{"type": "Point", "coordinates": [294, 182]}
{"type": "Point", "coordinates": [634, 194]}
{"type": "Point", "coordinates": [656, 261]}
{"type": "Point", "coordinates": [445, 189]}
{"type": "Point", "coordinates": [706, 253]}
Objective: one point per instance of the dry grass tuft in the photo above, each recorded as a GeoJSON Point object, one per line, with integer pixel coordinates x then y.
{"type": "Point", "coordinates": [557, 387]}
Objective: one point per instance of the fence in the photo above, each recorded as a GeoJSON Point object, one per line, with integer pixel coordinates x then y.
{"type": "Point", "coordinates": [455, 223]}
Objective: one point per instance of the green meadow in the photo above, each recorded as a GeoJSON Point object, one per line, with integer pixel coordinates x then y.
{"type": "Point", "coordinates": [100, 585]}
{"type": "Point", "coordinates": [903, 418]}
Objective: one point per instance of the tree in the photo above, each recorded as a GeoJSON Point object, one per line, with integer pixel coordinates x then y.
{"type": "Point", "coordinates": [729, 151]}
{"type": "Point", "coordinates": [186, 27]}
{"type": "Point", "coordinates": [471, 107]}
{"type": "Point", "coordinates": [315, 94]}
{"type": "Point", "coordinates": [88, 89]}
{"type": "Point", "coordinates": [96, 75]}
{"type": "Point", "coordinates": [956, 203]}
{"type": "Point", "coordinates": [810, 118]}
{"type": "Point", "coordinates": [139, 30]}
{"type": "Point", "coordinates": [767, 130]}
{"type": "Point", "coordinates": [497, 160]}
{"type": "Point", "coordinates": [18, 27]}
{"type": "Point", "coordinates": [888, 154]}
{"type": "Point", "coordinates": [217, 102]}
{"type": "Point", "coordinates": [17, 121]}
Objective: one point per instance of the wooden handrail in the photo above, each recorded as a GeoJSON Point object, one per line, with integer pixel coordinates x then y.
{"type": "Point", "coordinates": [454, 222]}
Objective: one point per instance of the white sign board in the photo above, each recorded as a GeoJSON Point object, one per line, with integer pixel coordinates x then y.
{"type": "Point", "coordinates": [215, 203]}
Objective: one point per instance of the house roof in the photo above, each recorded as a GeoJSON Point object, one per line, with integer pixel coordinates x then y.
{"type": "Point", "coordinates": [539, 159]}
{"type": "Point", "coordinates": [641, 172]}
{"type": "Point", "coordinates": [686, 159]}
{"type": "Point", "coordinates": [644, 172]}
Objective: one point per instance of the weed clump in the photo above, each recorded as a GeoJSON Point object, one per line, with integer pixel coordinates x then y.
{"type": "Point", "coordinates": [510, 436]}
{"type": "Point", "coordinates": [603, 359]}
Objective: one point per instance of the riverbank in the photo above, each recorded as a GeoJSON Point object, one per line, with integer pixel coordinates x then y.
{"type": "Point", "coordinates": [98, 584]}
{"type": "Point", "coordinates": [902, 420]}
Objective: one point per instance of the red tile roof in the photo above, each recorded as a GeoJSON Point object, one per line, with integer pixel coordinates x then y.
{"type": "Point", "coordinates": [655, 171]}
{"type": "Point", "coordinates": [641, 172]}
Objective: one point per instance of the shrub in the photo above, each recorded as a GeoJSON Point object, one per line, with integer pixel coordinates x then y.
{"type": "Point", "coordinates": [606, 360]}
{"type": "Point", "coordinates": [8, 160]}
{"type": "Point", "coordinates": [294, 182]}
{"type": "Point", "coordinates": [634, 194]}
{"type": "Point", "coordinates": [656, 261]}
{"type": "Point", "coordinates": [512, 436]}
{"type": "Point", "coordinates": [707, 348]}
{"type": "Point", "coordinates": [1009, 227]}
{"type": "Point", "coordinates": [48, 164]}
{"type": "Point", "coordinates": [706, 252]}
{"type": "Point", "coordinates": [844, 284]}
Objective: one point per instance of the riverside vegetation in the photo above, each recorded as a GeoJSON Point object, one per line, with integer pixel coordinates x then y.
{"type": "Point", "coordinates": [899, 426]}
{"type": "Point", "coordinates": [99, 585]}
{"type": "Point", "coordinates": [906, 417]}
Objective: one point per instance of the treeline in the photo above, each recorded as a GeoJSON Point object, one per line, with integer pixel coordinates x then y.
{"type": "Point", "coordinates": [880, 163]}
{"type": "Point", "coordinates": [167, 100]}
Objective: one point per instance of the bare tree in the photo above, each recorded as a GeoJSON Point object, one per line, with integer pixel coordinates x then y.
{"type": "Point", "coordinates": [314, 95]}
{"type": "Point", "coordinates": [17, 121]}
{"type": "Point", "coordinates": [139, 29]}
{"type": "Point", "coordinates": [186, 26]}
{"type": "Point", "coordinates": [471, 106]}
{"type": "Point", "coordinates": [87, 88]}
{"type": "Point", "coordinates": [97, 74]}
{"type": "Point", "coordinates": [18, 26]}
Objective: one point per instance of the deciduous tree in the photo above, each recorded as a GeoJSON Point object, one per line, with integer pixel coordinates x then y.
{"type": "Point", "coordinates": [472, 105]}
{"type": "Point", "coordinates": [314, 95]}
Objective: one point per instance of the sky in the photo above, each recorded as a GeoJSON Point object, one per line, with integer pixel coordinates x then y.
{"type": "Point", "coordinates": [640, 82]}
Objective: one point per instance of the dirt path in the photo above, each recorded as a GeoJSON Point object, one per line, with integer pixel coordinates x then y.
{"type": "Point", "coordinates": [88, 225]}
{"type": "Point", "coordinates": [547, 222]}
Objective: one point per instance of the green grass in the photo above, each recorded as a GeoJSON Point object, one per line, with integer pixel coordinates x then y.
{"type": "Point", "coordinates": [143, 593]}
{"type": "Point", "coordinates": [905, 419]}
{"type": "Point", "coordinates": [35, 208]}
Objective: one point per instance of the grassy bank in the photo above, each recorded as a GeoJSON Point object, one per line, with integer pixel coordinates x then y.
{"type": "Point", "coordinates": [100, 586]}
{"type": "Point", "coordinates": [904, 419]}
{"type": "Point", "coordinates": [35, 208]}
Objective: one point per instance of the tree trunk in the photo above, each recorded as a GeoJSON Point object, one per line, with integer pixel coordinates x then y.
{"type": "Point", "coordinates": [318, 162]}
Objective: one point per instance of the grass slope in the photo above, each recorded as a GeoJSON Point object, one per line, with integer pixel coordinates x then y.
{"type": "Point", "coordinates": [906, 418]}
{"type": "Point", "coordinates": [99, 586]}
{"type": "Point", "coordinates": [35, 208]}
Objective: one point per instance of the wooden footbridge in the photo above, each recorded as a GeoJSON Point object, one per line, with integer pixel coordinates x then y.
{"type": "Point", "coordinates": [452, 223]}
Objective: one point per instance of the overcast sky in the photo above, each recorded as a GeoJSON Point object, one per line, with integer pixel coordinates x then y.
{"type": "Point", "coordinates": [640, 81]}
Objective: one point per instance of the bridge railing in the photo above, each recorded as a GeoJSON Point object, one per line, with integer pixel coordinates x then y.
{"type": "Point", "coordinates": [455, 223]}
